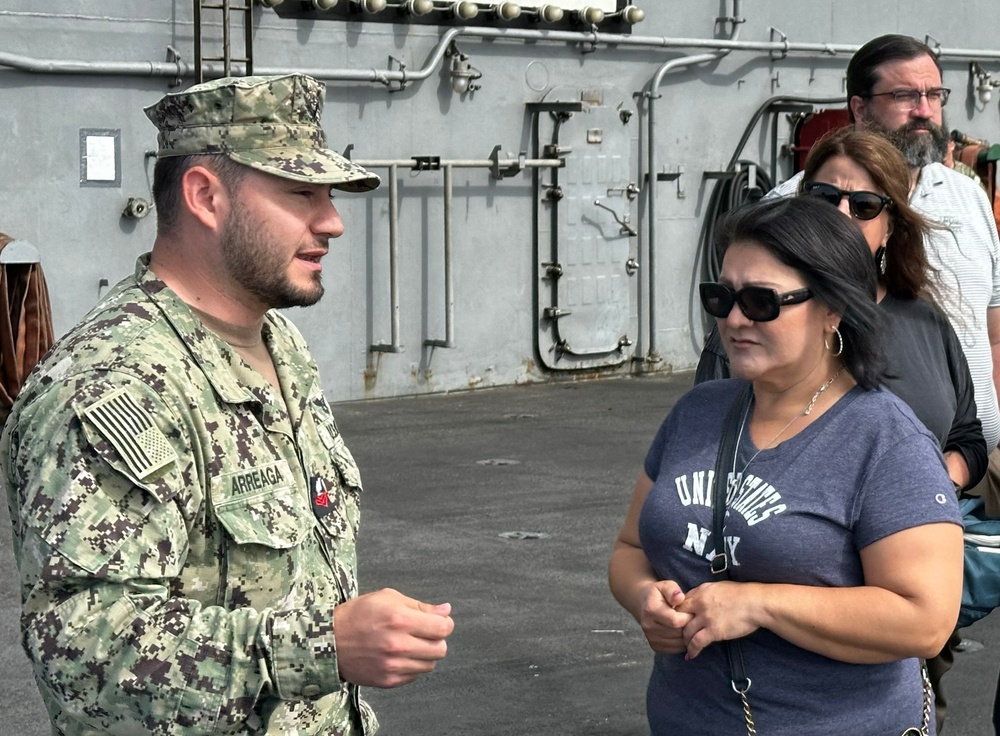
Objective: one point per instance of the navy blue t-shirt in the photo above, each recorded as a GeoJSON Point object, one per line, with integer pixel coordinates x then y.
{"type": "Point", "coordinates": [863, 470]}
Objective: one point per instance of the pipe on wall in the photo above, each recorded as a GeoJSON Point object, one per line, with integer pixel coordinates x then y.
{"type": "Point", "coordinates": [180, 68]}
{"type": "Point", "coordinates": [449, 284]}
{"type": "Point", "coordinates": [395, 344]}
{"type": "Point", "coordinates": [652, 353]}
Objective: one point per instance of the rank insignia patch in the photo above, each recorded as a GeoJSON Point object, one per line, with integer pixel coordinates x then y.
{"type": "Point", "coordinates": [320, 496]}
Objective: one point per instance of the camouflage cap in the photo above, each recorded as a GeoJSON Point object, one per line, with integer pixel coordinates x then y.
{"type": "Point", "coordinates": [271, 124]}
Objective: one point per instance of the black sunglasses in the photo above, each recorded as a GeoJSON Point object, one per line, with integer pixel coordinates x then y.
{"type": "Point", "coordinates": [863, 205]}
{"type": "Point", "coordinates": [758, 303]}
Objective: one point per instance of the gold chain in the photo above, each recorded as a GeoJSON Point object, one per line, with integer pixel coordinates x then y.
{"type": "Point", "coordinates": [805, 412]}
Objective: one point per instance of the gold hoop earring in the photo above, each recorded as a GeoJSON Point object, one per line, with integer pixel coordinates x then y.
{"type": "Point", "coordinates": [840, 343]}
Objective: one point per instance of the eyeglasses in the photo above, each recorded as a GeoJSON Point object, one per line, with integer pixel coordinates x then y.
{"type": "Point", "coordinates": [863, 205]}
{"type": "Point", "coordinates": [758, 303]}
{"type": "Point", "coordinates": [908, 99]}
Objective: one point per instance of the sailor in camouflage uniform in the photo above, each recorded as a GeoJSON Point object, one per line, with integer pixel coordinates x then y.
{"type": "Point", "coordinates": [184, 507]}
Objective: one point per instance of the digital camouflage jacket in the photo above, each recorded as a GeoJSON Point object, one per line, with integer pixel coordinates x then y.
{"type": "Point", "coordinates": [182, 533]}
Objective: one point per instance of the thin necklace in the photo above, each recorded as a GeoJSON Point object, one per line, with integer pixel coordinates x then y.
{"type": "Point", "coordinates": [805, 412]}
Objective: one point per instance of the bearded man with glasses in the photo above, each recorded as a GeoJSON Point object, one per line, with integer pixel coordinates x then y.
{"type": "Point", "coordinates": [920, 139]}
{"type": "Point", "coordinates": [894, 87]}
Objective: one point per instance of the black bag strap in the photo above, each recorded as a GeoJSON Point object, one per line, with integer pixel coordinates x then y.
{"type": "Point", "coordinates": [720, 560]}
{"type": "Point", "coordinates": [723, 464]}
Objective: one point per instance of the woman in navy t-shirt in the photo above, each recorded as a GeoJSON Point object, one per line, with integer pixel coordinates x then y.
{"type": "Point", "coordinates": [842, 528]}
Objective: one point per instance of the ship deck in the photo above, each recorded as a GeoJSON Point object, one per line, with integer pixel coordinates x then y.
{"type": "Point", "coordinates": [505, 502]}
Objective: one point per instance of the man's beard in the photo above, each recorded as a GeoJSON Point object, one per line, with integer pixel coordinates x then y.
{"type": "Point", "coordinates": [918, 150]}
{"type": "Point", "coordinates": [259, 266]}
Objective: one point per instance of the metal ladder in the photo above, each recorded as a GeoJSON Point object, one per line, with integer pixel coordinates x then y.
{"type": "Point", "coordinates": [228, 8]}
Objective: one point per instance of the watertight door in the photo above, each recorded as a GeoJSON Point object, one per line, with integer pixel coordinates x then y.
{"type": "Point", "coordinates": [586, 233]}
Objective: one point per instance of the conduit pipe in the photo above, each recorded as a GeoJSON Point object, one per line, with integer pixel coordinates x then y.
{"type": "Point", "coordinates": [510, 166]}
{"type": "Point", "coordinates": [395, 345]}
{"type": "Point", "coordinates": [652, 354]}
{"type": "Point", "coordinates": [593, 39]}
{"type": "Point", "coordinates": [449, 287]}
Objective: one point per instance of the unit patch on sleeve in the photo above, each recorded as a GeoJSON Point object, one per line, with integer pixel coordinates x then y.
{"type": "Point", "coordinates": [130, 430]}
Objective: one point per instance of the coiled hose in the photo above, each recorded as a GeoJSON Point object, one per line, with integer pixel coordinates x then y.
{"type": "Point", "coordinates": [736, 190]}
{"type": "Point", "coordinates": [728, 194]}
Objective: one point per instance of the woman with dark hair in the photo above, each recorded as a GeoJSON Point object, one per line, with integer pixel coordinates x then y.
{"type": "Point", "coordinates": [855, 169]}
{"type": "Point", "coordinates": [839, 526]}
{"type": "Point", "coordinates": [879, 205]}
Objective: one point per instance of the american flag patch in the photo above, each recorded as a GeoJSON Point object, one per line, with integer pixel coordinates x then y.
{"type": "Point", "coordinates": [130, 430]}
